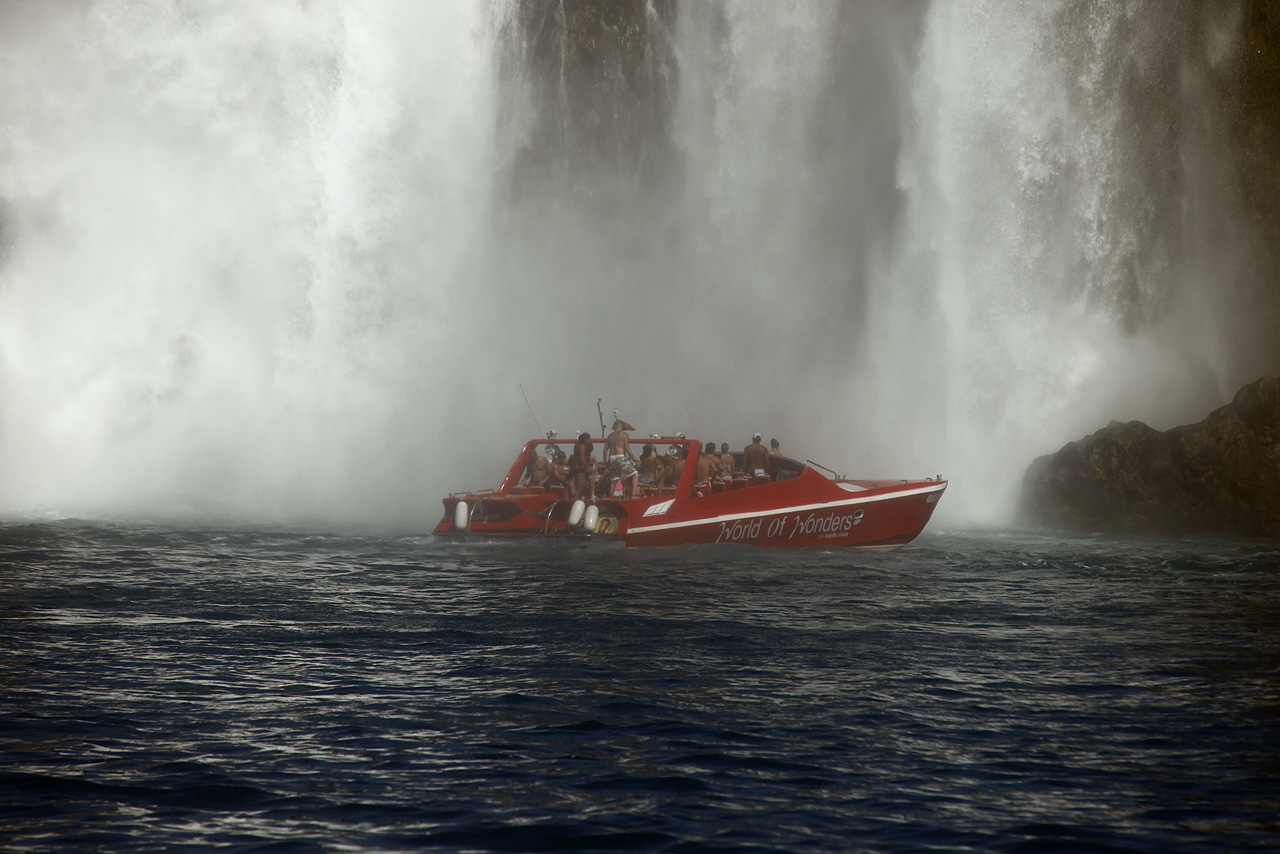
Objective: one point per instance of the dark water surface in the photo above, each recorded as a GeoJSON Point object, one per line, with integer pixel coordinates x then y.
{"type": "Point", "coordinates": [257, 690]}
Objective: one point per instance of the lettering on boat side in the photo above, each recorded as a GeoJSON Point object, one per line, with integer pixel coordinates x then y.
{"type": "Point", "coordinates": [824, 524]}
{"type": "Point", "coordinates": [743, 529]}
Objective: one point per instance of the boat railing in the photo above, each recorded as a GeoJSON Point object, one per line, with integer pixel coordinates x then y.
{"type": "Point", "coordinates": [470, 492]}
{"type": "Point", "coordinates": [824, 468]}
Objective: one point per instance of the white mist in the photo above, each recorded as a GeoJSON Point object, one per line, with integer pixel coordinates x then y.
{"type": "Point", "coordinates": [264, 260]}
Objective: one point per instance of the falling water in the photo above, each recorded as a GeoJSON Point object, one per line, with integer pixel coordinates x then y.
{"type": "Point", "coordinates": [280, 260]}
{"type": "Point", "coordinates": [1070, 252]}
{"type": "Point", "coordinates": [234, 232]}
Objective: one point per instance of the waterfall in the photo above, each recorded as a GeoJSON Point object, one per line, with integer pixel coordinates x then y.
{"type": "Point", "coordinates": [234, 237]}
{"type": "Point", "coordinates": [290, 260]}
{"type": "Point", "coordinates": [1071, 252]}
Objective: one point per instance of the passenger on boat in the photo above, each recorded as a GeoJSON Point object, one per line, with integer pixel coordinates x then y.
{"type": "Point", "coordinates": [648, 465]}
{"type": "Point", "coordinates": [662, 469]}
{"type": "Point", "coordinates": [774, 447]}
{"type": "Point", "coordinates": [582, 465]}
{"type": "Point", "coordinates": [724, 467]}
{"type": "Point", "coordinates": [755, 459]}
{"type": "Point", "coordinates": [721, 470]}
{"type": "Point", "coordinates": [537, 469]}
{"type": "Point", "coordinates": [622, 463]}
{"type": "Point", "coordinates": [676, 467]}
{"type": "Point", "coordinates": [708, 467]}
{"type": "Point", "coordinates": [559, 469]}
{"type": "Point", "coordinates": [601, 482]}
{"type": "Point", "coordinates": [659, 467]}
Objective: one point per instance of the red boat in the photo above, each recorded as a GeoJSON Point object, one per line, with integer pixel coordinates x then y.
{"type": "Point", "coordinates": [795, 506]}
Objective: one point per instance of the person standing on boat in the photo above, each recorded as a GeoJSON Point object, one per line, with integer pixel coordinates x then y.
{"type": "Point", "coordinates": [677, 464]}
{"type": "Point", "coordinates": [622, 463]}
{"type": "Point", "coordinates": [755, 459]}
{"type": "Point", "coordinates": [775, 448]}
{"type": "Point", "coordinates": [582, 465]}
{"type": "Point", "coordinates": [708, 466]}
{"type": "Point", "coordinates": [718, 470]}
{"type": "Point", "coordinates": [648, 465]}
{"type": "Point", "coordinates": [726, 460]}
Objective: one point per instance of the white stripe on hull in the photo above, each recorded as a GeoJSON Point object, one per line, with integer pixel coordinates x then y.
{"type": "Point", "coordinates": [782, 511]}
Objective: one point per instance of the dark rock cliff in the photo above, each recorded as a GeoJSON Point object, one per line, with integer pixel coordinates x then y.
{"type": "Point", "coordinates": [1255, 108]}
{"type": "Point", "coordinates": [1253, 81]}
{"type": "Point", "coordinates": [1220, 476]}
{"type": "Point", "coordinates": [603, 80]}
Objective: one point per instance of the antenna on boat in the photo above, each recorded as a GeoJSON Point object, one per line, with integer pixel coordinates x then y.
{"type": "Point", "coordinates": [526, 403]}
{"type": "Point", "coordinates": [693, 426]}
{"type": "Point", "coordinates": [600, 410]}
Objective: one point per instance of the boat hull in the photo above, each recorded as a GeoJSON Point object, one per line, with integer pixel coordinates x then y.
{"type": "Point", "coordinates": [802, 508]}
{"type": "Point", "coordinates": [884, 517]}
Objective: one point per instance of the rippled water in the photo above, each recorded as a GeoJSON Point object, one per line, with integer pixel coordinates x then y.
{"type": "Point", "coordinates": [259, 690]}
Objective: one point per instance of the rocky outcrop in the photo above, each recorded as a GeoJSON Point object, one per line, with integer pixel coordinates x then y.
{"type": "Point", "coordinates": [1220, 476]}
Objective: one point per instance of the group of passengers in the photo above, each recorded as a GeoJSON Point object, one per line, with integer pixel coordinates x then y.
{"type": "Point", "coordinates": [578, 473]}
{"type": "Point", "coordinates": [583, 476]}
{"type": "Point", "coordinates": [757, 464]}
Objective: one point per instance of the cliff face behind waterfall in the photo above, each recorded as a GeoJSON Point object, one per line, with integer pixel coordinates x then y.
{"type": "Point", "coordinates": [602, 81]}
{"type": "Point", "coordinates": [1256, 124]}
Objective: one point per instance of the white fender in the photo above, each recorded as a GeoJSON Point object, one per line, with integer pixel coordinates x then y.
{"type": "Point", "coordinates": [576, 511]}
{"type": "Point", "coordinates": [460, 516]}
{"type": "Point", "coordinates": [590, 519]}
